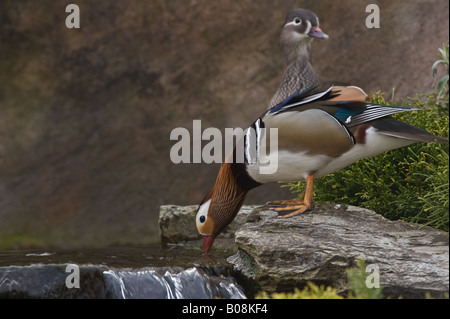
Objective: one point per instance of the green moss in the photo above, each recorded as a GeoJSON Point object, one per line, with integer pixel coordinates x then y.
{"type": "Point", "coordinates": [17, 241]}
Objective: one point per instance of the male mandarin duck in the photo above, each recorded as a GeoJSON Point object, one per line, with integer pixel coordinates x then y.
{"type": "Point", "coordinates": [317, 133]}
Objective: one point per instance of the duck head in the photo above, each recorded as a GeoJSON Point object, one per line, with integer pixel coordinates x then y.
{"type": "Point", "coordinates": [221, 205]}
{"type": "Point", "coordinates": [300, 28]}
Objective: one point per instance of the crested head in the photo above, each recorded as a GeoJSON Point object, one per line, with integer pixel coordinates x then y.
{"type": "Point", "coordinates": [300, 28]}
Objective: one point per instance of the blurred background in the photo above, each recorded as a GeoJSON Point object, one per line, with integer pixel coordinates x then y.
{"type": "Point", "coordinates": [86, 114]}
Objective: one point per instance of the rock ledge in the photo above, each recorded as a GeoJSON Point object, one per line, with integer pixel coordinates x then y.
{"type": "Point", "coordinates": [319, 246]}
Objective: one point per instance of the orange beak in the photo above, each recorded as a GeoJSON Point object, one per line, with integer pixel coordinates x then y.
{"type": "Point", "coordinates": [207, 244]}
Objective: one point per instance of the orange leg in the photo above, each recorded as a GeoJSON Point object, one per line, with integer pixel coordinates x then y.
{"type": "Point", "coordinates": [298, 206]}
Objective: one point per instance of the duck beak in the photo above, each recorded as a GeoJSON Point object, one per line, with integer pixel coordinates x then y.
{"type": "Point", "coordinates": [207, 243]}
{"type": "Point", "coordinates": [316, 32]}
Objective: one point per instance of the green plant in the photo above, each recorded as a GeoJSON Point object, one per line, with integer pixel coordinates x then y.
{"type": "Point", "coordinates": [358, 283]}
{"type": "Point", "coordinates": [442, 86]}
{"type": "Point", "coordinates": [311, 291]}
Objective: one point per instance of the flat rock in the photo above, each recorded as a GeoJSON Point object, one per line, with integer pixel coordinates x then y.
{"type": "Point", "coordinates": [177, 226]}
{"type": "Point", "coordinates": [319, 246]}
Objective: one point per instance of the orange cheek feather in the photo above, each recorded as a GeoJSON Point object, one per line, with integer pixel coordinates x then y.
{"type": "Point", "coordinates": [207, 228]}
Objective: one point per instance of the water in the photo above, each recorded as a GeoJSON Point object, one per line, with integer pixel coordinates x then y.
{"type": "Point", "coordinates": [175, 272]}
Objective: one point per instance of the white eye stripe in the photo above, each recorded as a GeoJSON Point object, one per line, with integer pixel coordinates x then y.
{"type": "Point", "coordinates": [308, 23]}
{"type": "Point", "coordinates": [202, 213]}
{"type": "Point", "coordinates": [291, 23]}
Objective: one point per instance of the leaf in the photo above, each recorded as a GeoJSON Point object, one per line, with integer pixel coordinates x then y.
{"type": "Point", "coordinates": [441, 85]}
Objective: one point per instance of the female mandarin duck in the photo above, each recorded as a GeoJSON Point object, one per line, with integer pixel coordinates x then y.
{"type": "Point", "coordinates": [300, 29]}
{"type": "Point", "coordinates": [317, 134]}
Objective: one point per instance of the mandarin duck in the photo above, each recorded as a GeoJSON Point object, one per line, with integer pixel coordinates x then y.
{"type": "Point", "coordinates": [317, 134]}
{"type": "Point", "coordinates": [313, 134]}
{"type": "Point", "coordinates": [300, 29]}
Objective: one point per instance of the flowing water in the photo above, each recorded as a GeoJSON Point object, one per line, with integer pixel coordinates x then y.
{"type": "Point", "coordinates": [175, 272]}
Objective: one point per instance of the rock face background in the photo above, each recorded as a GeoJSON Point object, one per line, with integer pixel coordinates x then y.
{"type": "Point", "coordinates": [86, 114]}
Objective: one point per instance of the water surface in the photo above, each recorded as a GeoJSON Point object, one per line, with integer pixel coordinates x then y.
{"type": "Point", "coordinates": [172, 272]}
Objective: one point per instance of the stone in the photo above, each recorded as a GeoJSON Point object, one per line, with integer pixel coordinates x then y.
{"type": "Point", "coordinates": [275, 255]}
{"type": "Point", "coordinates": [177, 226]}
{"type": "Point", "coordinates": [320, 245]}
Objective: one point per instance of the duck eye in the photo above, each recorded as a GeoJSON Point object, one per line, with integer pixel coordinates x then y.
{"type": "Point", "coordinates": [298, 21]}
{"type": "Point", "coordinates": [202, 219]}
